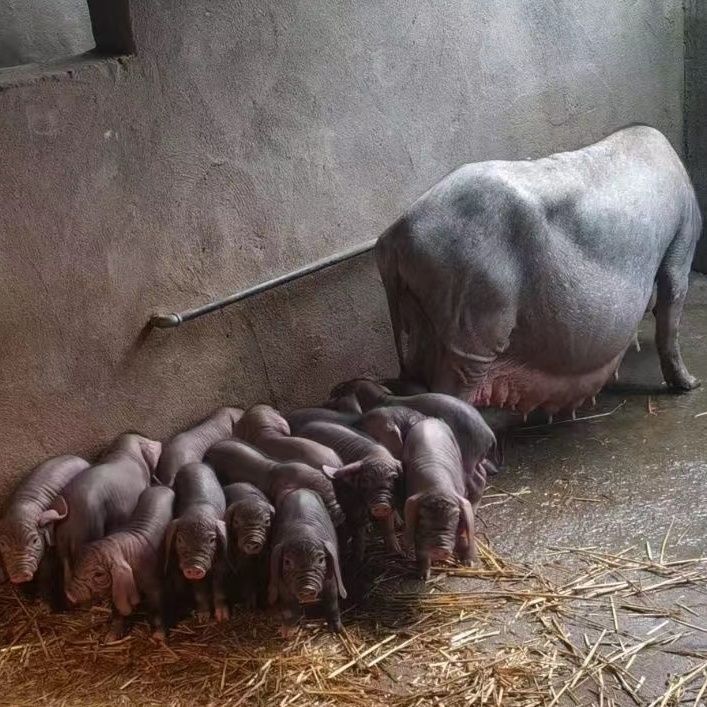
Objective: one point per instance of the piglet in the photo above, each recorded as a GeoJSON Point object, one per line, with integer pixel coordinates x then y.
{"type": "Point", "coordinates": [389, 426]}
{"type": "Point", "coordinates": [127, 564]}
{"type": "Point", "coordinates": [27, 528]}
{"type": "Point", "coordinates": [198, 534]}
{"type": "Point", "coordinates": [191, 445]}
{"type": "Point", "coordinates": [239, 462]}
{"type": "Point", "coordinates": [248, 519]}
{"type": "Point", "coordinates": [366, 485]}
{"type": "Point", "coordinates": [439, 519]}
{"type": "Point", "coordinates": [297, 419]}
{"type": "Point", "coordinates": [101, 498]}
{"type": "Point", "coordinates": [304, 561]}
{"type": "Point", "coordinates": [475, 438]}
{"type": "Point", "coordinates": [266, 429]}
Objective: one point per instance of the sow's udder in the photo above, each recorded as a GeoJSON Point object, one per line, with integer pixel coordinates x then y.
{"type": "Point", "coordinates": [509, 385]}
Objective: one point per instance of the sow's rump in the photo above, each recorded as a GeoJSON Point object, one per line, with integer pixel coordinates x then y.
{"type": "Point", "coordinates": [521, 284]}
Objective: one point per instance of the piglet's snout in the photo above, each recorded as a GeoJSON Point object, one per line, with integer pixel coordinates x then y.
{"type": "Point", "coordinates": [381, 510]}
{"type": "Point", "coordinates": [194, 572]}
{"type": "Point", "coordinates": [308, 595]}
{"type": "Point", "coordinates": [252, 546]}
{"type": "Point", "coordinates": [21, 576]}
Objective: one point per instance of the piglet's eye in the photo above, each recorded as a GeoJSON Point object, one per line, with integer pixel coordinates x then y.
{"type": "Point", "coordinates": [288, 564]}
{"type": "Point", "coordinates": [212, 539]}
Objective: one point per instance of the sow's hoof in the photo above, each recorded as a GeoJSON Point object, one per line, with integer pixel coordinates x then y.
{"type": "Point", "coordinates": [685, 383]}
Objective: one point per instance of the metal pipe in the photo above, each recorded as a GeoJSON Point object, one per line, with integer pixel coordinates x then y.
{"type": "Point", "coordinates": [174, 319]}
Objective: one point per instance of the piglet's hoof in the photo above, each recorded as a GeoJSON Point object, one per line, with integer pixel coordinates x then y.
{"type": "Point", "coordinates": [287, 631]}
{"type": "Point", "coordinates": [159, 635]}
{"type": "Point", "coordinates": [222, 613]}
{"type": "Point", "coordinates": [113, 635]}
{"type": "Point", "coordinates": [203, 617]}
{"type": "Point", "coordinates": [336, 626]}
{"type": "Point", "coordinates": [685, 383]}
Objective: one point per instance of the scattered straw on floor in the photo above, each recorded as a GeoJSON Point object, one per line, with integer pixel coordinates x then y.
{"type": "Point", "coordinates": [575, 631]}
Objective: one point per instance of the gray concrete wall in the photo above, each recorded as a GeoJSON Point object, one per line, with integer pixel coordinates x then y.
{"type": "Point", "coordinates": [245, 139]}
{"type": "Point", "coordinates": [43, 30]}
{"type": "Point", "coordinates": [695, 116]}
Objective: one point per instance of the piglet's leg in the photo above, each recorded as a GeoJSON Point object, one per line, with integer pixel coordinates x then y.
{"type": "Point", "coordinates": [157, 614]}
{"type": "Point", "coordinates": [221, 610]}
{"type": "Point", "coordinates": [330, 604]}
{"type": "Point", "coordinates": [358, 543]}
{"type": "Point", "coordinates": [387, 528]}
{"type": "Point", "coordinates": [202, 600]}
{"type": "Point", "coordinates": [289, 612]}
{"type": "Point", "coordinates": [423, 565]}
{"type": "Point", "coordinates": [464, 550]}
{"type": "Point", "coordinates": [118, 626]}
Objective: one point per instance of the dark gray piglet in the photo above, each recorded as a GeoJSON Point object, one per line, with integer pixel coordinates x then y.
{"type": "Point", "coordinates": [366, 485]}
{"type": "Point", "coordinates": [439, 519]}
{"type": "Point", "coordinates": [398, 386]}
{"type": "Point", "coordinates": [264, 428]}
{"type": "Point", "coordinates": [191, 445]}
{"type": "Point", "coordinates": [198, 535]}
{"type": "Point", "coordinates": [249, 517]}
{"type": "Point", "coordinates": [475, 438]}
{"type": "Point", "coordinates": [304, 560]}
{"type": "Point", "coordinates": [127, 564]}
{"type": "Point", "coordinates": [239, 462]}
{"type": "Point", "coordinates": [389, 426]}
{"type": "Point", "coordinates": [102, 497]}
{"type": "Point", "coordinates": [27, 527]}
{"type": "Point", "coordinates": [297, 419]}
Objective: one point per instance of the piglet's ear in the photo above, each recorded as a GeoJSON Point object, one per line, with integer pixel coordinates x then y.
{"type": "Point", "coordinates": [125, 593]}
{"type": "Point", "coordinates": [151, 451]}
{"type": "Point", "coordinates": [333, 557]}
{"type": "Point", "coordinates": [273, 580]}
{"type": "Point", "coordinates": [329, 471]}
{"type": "Point", "coordinates": [467, 520]}
{"type": "Point", "coordinates": [57, 511]}
{"type": "Point", "coordinates": [221, 535]}
{"type": "Point", "coordinates": [346, 472]}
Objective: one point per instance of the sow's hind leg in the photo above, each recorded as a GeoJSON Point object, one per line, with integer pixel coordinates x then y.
{"type": "Point", "coordinates": [672, 282]}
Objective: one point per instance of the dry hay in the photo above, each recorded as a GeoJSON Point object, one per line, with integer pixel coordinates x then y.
{"type": "Point", "coordinates": [513, 635]}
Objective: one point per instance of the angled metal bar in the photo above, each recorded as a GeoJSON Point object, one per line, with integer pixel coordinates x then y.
{"type": "Point", "coordinates": [175, 319]}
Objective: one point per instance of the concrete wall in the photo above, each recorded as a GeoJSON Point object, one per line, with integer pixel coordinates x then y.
{"type": "Point", "coordinates": [245, 139]}
{"type": "Point", "coordinates": [42, 30]}
{"type": "Point", "coordinates": [695, 115]}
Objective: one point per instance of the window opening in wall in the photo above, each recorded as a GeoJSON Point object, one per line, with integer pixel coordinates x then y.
{"type": "Point", "coordinates": [41, 32]}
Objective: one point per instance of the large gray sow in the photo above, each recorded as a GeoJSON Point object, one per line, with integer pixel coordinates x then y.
{"type": "Point", "coordinates": [366, 485]}
{"type": "Point", "coordinates": [101, 498]}
{"type": "Point", "coordinates": [198, 535]}
{"type": "Point", "coordinates": [266, 429]}
{"type": "Point", "coordinates": [27, 527]}
{"type": "Point", "coordinates": [439, 520]}
{"type": "Point", "coordinates": [127, 565]}
{"type": "Point", "coordinates": [239, 462]}
{"type": "Point", "coordinates": [304, 561]}
{"type": "Point", "coordinates": [521, 284]}
{"type": "Point", "coordinates": [191, 445]}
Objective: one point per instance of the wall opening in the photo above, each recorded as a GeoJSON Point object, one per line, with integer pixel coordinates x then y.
{"type": "Point", "coordinates": [40, 32]}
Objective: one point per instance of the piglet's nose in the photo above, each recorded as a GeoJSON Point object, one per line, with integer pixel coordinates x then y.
{"type": "Point", "coordinates": [21, 577]}
{"type": "Point", "coordinates": [380, 510]}
{"type": "Point", "coordinates": [307, 595]}
{"type": "Point", "coordinates": [252, 547]}
{"type": "Point", "coordinates": [194, 572]}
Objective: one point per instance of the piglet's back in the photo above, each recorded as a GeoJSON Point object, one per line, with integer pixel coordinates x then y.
{"type": "Point", "coordinates": [302, 512]}
{"type": "Point", "coordinates": [432, 459]}
{"type": "Point", "coordinates": [239, 462]}
{"type": "Point", "coordinates": [196, 484]}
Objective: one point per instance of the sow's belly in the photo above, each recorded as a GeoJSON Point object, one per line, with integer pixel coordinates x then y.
{"type": "Point", "coordinates": [567, 343]}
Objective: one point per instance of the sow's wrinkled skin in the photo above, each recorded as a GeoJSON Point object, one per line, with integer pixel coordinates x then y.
{"type": "Point", "coordinates": [366, 485]}
{"type": "Point", "coordinates": [198, 536]}
{"type": "Point", "coordinates": [266, 429]}
{"type": "Point", "coordinates": [475, 438]}
{"type": "Point", "coordinates": [249, 517]}
{"type": "Point", "coordinates": [304, 561]}
{"type": "Point", "coordinates": [439, 520]}
{"type": "Point", "coordinates": [239, 462]}
{"type": "Point", "coordinates": [191, 445]}
{"type": "Point", "coordinates": [27, 528]}
{"type": "Point", "coordinates": [297, 419]}
{"type": "Point", "coordinates": [127, 565]}
{"type": "Point", "coordinates": [101, 498]}
{"type": "Point", "coordinates": [521, 284]}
